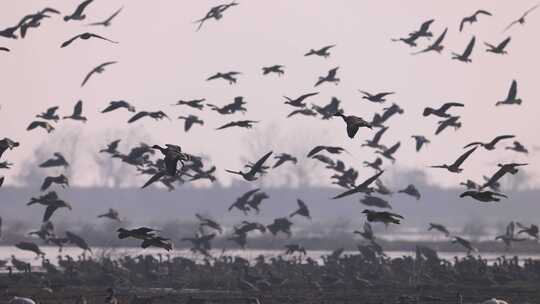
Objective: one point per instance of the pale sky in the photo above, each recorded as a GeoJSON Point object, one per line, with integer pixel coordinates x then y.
{"type": "Point", "coordinates": [161, 59]}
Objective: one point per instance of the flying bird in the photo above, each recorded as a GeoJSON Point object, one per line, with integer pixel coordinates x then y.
{"type": "Point", "coordinates": [250, 175]}
{"type": "Point", "coordinates": [330, 77]}
{"type": "Point", "coordinates": [304, 112]}
{"type": "Point", "coordinates": [282, 158]}
{"type": "Point", "coordinates": [441, 111]}
{"type": "Point", "coordinates": [436, 45]}
{"type": "Point", "coordinates": [50, 114]}
{"type": "Point", "coordinates": [115, 105]}
{"type": "Point", "coordinates": [511, 98]}
{"type": "Point", "coordinates": [329, 149]}
{"type": "Point", "coordinates": [375, 201]}
{"type": "Point", "coordinates": [440, 228]}
{"type": "Point", "coordinates": [455, 167]}
{"type": "Point", "coordinates": [490, 145]}
{"type": "Point", "coordinates": [473, 18]}
{"type": "Point", "coordinates": [85, 36]}
{"type": "Point", "coordinates": [483, 196]}
{"type": "Point", "coordinates": [78, 14]}
{"type": "Point", "coordinates": [215, 12]}
{"type": "Point", "coordinates": [412, 191]}
{"type": "Point", "coordinates": [389, 152]}
{"type": "Point", "coordinates": [302, 210]}
{"type": "Point", "coordinates": [58, 161]}
{"type": "Point", "coordinates": [466, 55]}
{"type": "Point", "coordinates": [465, 243]}
{"type": "Point", "coordinates": [77, 112]}
{"type": "Point", "coordinates": [111, 214]}
{"type": "Point", "coordinates": [97, 70]}
{"type": "Point", "coordinates": [353, 123]}
{"type": "Point", "coordinates": [518, 147]}
{"type": "Point", "coordinates": [374, 143]}
{"type": "Point", "coordinates": [382, 217]}
{"type": "Point", "coordinates": [61, 180]}
{"type": "Point", "coordinates": [158, 115]}
{"type": "Point", "coordinates": [511, 168]}
{"type": "Point", "coordinates": [4, 49]}
{"type": "Point", "coordinates": [322, 52]}
{"type": "Point", "coordinates": [229, 76]}
{"type": "Point", "coordinates": [107, 22]}
{"type": "Point", "coordinates": [248, 124]}
{"type": "Point", "coordinates": [420, 141]}
{"type": "Point", "coordinates": [194, 103]}
{"type": "Point", "coordinates": [376, 98]}
{"type": "Point", "coordinates": [500, 48]}
{"type": "Point", "coordinates": [521, 20]}
{"type": "Point", "coordinates": [299, 101]}
{"type": "Point", "coordinates": [40, 124]}
{"type": "Point", "coordinates": [452, 121]}
{"type": "Point", "coordinates": [278, 69]}
{"type": "Point", "coordinates": [190, 120]}
{"type": "Point", "coordinates": [363, 187]}
{"type": "Point", "coordinates": [7, 143]}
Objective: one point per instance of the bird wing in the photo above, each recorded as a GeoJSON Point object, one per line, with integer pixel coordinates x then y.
{"type": "Point", "coordinates": [88, 76]}
{"type": "Point", "coordinates": [114, 15]}
{"type": "Point", "coordinates": [393, 149]}
{"type": "Point", "coordinates": [34, 124]}
{"type": "Point", "coordinates": [470, 46]}
{"type": "Point", "coordinates": [352, 129]}
{"type": "Point", "coordinates": [504, 43]}
{"type": "Point", "coordinates": [326, 48]}
{"type": "Point", "coordinates": [102, 38]}
{"type": "Point", "coordinates": [370, 180]}
{"type": "Point", "coordinates": [138, 116]}
{"type": "Point", "coordinates": [82, 7]}
{"type": "Point", "coordinates": [441, 37]}
{"type": "Point", "coordinates": [51, 110]}
{"type": "Point", "coordinates": [466, 19]}
{"type": "Point", "coordinates": [512, 93]}
{"type": "Point", "coordinates": [68, 42]}
{"type": "Point", "coordinates": [228, 125]}
{"type": "Point", "coordinates": [530, 10]}
{"type": "Point", "coordinates": [463, 157]}
{"type": "Point", "coordinates": [425, 26]}
{"type": "Point", "coordinates": [49, 212]}
{"type": "Point", "coordinates": [390, 214]}
{"type": "Point", "coordinates": [495, 177]}
{"type": "Point", "coordinates": [77, 110]}
{"type": "Point", "coordinates": [379, 134]}
{"type": "Point", "coordinates": [316, 150]}
{"type": "Point", "coordinates": [257, 166]}
{"type": "Point", "coordinates": [332, 73]}
{"type": "Point", "coordinates": [154, 178]}
{"type": "Point", "coordinates": [483, 12]}
{"type": "Point", "coordinates": [445, 107]}
{"type": "Point", "coordinates": [46, 183]}
{"type": "Point", "coordinates": [111, 107]}
{"type": "Point", "coordinates": [301, 204]}
{"type": "Point", "coordinates": [499, 138]}
{"type": "Point", "coordinates": [301, 98]}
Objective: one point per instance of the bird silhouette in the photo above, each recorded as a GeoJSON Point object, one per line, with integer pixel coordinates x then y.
{"type": "Point", "coordinates": [107, 22]}
{"type": "Point", "coordinates": [375, 201]}
{"type": "Point", "coordinates": [97, 70]}
{"type": "Point", "coordinates": [329, 149]}
{"type": "Point", "coordinates": [511, 98]}
{"type": "Point", "coordinates": [215, 13]}
{"type": "Point", "coordinates": [277, 69]}
{"type": "Point", "coordinates": [77, 112]}
{"type": "Point", "coordinates": [376, 98]}
{"type": "Point", "coordinates": [282, 158]}
{"type": "Point", "coordinates": [500, 48]}
{"type": "Point", "coordinates": [78, 14]}
{"type": "Point", "coordinates": [330, 77]}
{"type": "Point", "coordinates": [85, 36]}
{"type": "Point", "coordinates": [190, 120]}
{"type": "Point", "coordinates": [452, 121]}
{"type": "Point", "coordinates": [455, 166]}
{"type": "Point", "coordinates": [40, 124]}
{"type": "Point", "coordinates": [374, 143]}
{"type": "Point", "coordinates": [441, 111]}
{"type": "Point", "coordinates": [229, 76]}
{"type": "Point", "coordinates": [322, 52]}
{"type": "Point", "coordinates": [389, 152]}
{"type": "Point", "coordinates": [511, 168]}
{"type": "Point", "coordinates": [7, 143]}
{"type": "Point", "coordinates": [411, 191]}
{"type": "Point", "coordinates": [361, 188]}
{"type": "Point", "coordinates": [466, 55]}
{"type": "Point", "coordinates": [50, 114]}
{"type": "Point", "coordinates": [58, 161]}
{"type": "Point", "coordinates": [521, 20]}
{"type": "Point", "coordinates": [194, 103]}
{"type": "Point", "coordinates": [420, 141]}
{"type": "Point", "coordinates": [464, 243]}
{"type": "Point", "coordinates": [440, 228]}
{"type": "Point", "coordinates": [111, 214]}
{"type": "Point", "coordinates": [299, 101]}
{"type": "Point", "coordinates": [250, 175]}
{"type": "Point", "coordinates": [120, 104]}
{"type": "Point", "coordinates": [436, 45]}
{"type": "Point", "coordinates": [61, 180]}
{"type": "Point", "coordinates": [473, 18]}
{"type": "Point", "coordinates": [304, 112]}
{"type": "Point", "coordinates": [302, 210]}
{"type": "Point", "coordinates": [383, 217]}
{"type": "Point", "coordinates": [353, 123]}
{"type": "Point", "coordinates": [157, 115]}
{"type": "Point", "coordinates": [518, 147]}
{"type": "Point", "coordinates": [247, 124]}
{"type": "Point", "coordinates": [483, 196]}
{"type": "Point", "coordinates": [490, 145]}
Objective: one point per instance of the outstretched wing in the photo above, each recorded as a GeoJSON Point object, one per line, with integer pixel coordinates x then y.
{"type": "Point", "coordinates": [316, 150]}
{"type": "Point", "coordinates": [77, 110]}
{"type": "Point", "coordinates": [154, 178]}
{"type": "Point", "coordinates": [445, 107]}
{"type": "Point", "coordinates": [504, 43]}
{"type": "Point", "coordinates": [469, 49]}
{"type": "Point", "coordinates": [257, 166]}
{"type": "Point", "coordinates": [499, 138]}
{"type": "Point", "coordinates": [463, 157]}
{"type": "Point", "coordinates": [512, 93]}
{"type": "Point", "coordinates": [370, 180]}
{"type": "Point", "coordinates": [138, 116]}
{"type": "Point", "coordinates": [68, 42]}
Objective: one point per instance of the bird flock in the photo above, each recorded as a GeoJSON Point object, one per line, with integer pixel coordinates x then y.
{"type": "Point", "coordinates": [172, 166]}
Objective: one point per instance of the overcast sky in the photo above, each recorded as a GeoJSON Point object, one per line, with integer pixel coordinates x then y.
{"type": "Point", "coordinates": [161, 59]}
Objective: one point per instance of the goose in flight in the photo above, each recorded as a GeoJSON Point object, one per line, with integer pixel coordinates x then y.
{"type": "Point", "coordinates": [190, 120]}
{"type": "Point", "coordinates": [440, 228]}
{"type": "Point", "coordinates": [330, 77]}
{"type": "Point", "coordinates": [424, 30]}
{"type": "Point", "coordinates": [302, 210]}
{"type": "Point", "coordinates": [229, 76]}
{"type": "Point", "coordinates": [518, 147]}
{"type": "Point", "coordinates": [141, 233]}
{"type": "Point", "coordinates": [329, 149]}
{"type": "Point", "coordinates": [374, 143]}
{"type": "Point", "coordinates": [322, 52]}
{"type": "Point", "coordinates": [207, 222]}
{"type": "Point", "coordinates": [97, 70]}
{"type": "Point", "coordinates": [194, 103]}
{"type": "Point", "coordinates": [52, 207]}
{"type": "Point", "coordinates": [511, 168]}
{"type": "Point", "coordinates": [61, 180]}
{"type": "Point", "coordinates": [329, 110]}
{"type": "Point", "coordinates": [7, 143]}
{"type": "Point", "coordinates": [452, 121]}
{"type": "Point", "coordinates": [158, 115]}
{"type": "Point", "coordinates": [521, 20]}
{"type": "Point", "coordinates": [85, 36]}
{"type": "Point", "coordinates": [215, 12]}
{"type": "Point", "coordinates": [473, 18]}
{"type": "Point", "coordinates": [367, 233]}
{"type": "Point", "coordinates": [500, 48]}
{"type": "Point", "coordinates": [78, 14]}
{"type": "Point", "coordinates": [509, 236]}
{"type": "Point", "coordinates": [353, 123]}
{"type": "Point", "coordinates": [282, 158]}
{"type": "Point", "coordinates": [483, 196]}
{"type": "Point", "coordinates": [363, 187]}
{"type": "Point", "coordinates": [231, 108]}
{"type": "Point", "coordinates": [464, 243]}
{"type": "Point", "coordinates": [382, 217]}
{"type": "Point", "coordinates": [376, 164]}
{"type": "Point", "coordinates": [278, 69]}
{"type": "Point", "coordinates": [34, 20]}
{"type": "Point", "coordinates": [256, 200]}
{"type": "Point", "coordinates": [40, 124]}
{"type": "Point", "coordinates": [299, 102]}
{"type": "Point", "coordinates": [157, 241]}
{"type": "Point", "coordinates": [412, 191]}
{"type": "Point", "coordinates": [511, 98]}
{"type": "Point", "coordinates": [256, 168]}
{"type": "Point", "coordinates": [172, 155]}
{"type": "Point", "coordinates": [29, 246]}
{"type": "Point", "coordinates": [77, 112]}
{"type": "Point", "coordinates": [58, 161]}
{"type": "Point", "coordinates": [466, 55]}
{"type": "Point", "coordinates": [381, 188]}
{"type": "Point", "coordinates": [112, 148]}
{"type": "Point", "coordinates": [111, 214]}
{"type": "Point", "coordinates": [420, 141]}
{"type": "Point", "coordinates": [455, 167]}
{"type": "Point", "coordinates": [115, 105]}
{"type": "Point", "coordinates": [375, 201]}
{"type": "Point", "coordinates": [435, 46]}
{"type": "Point", "coordinates": [441, 111]}
{"type": "Point", "coordinates": [304, 111]}
{"type": "Point", "coordinates": [248, 124]}
{"type": "Point", "coordinates": [50, 114]}
{"type": "Point", "coordinates": [376, 98]}
{"type": "Point", "coordinates": [389, 152]}
{"type": "Point", "coordinates": [281, 224]}
{"type": "Point", "coordinates": [390, 111]}
{"type": "Point", "coordinates": [107, 22]}
{"type": "Point", "coordinates": [410, 40]}
{"type": "Point", "coordinates": [489, 145]}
